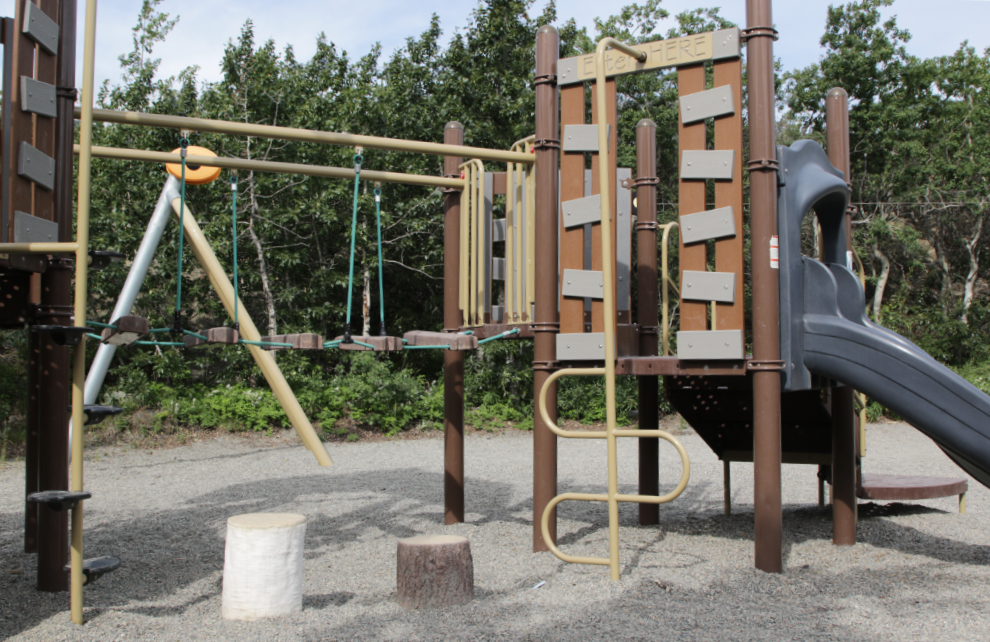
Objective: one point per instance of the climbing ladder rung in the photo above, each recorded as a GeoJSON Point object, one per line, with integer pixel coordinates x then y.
{"type": "Point", "coordinates": [378, 344]}
{"type": "Point", "coordinates": [708, 286]}
{"type": "Point", "coordinates": [581, 211]}
{"type": "Point", "coordinates": [715, 164]}
{"type": "Point", "coordinates": [710, 344]}
{"type": "Point", "coordinates": [96, 567]}
{"type": "Point", "coordinates": [126, 331]}
{"type": "Point", "coordinates": [710, 224]}
{"type": "Point", "coordinates": [583, 284]}
{"type": "Point", "coordinates": [37, 97]}
{"type": "Point", "coordinates": [36, 166]}
{"type": "Point", "coordinates": [582, 138]}
{"type": "Point", "coordinates": [453, 340]}
{"type": "Point", "coordinates": [707, 104]}
{"type": "Point", "coordinates": [59, 500]}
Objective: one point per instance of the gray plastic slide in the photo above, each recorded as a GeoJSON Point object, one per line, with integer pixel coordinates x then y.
{"type": "Point", "coordinates": [842, 344]}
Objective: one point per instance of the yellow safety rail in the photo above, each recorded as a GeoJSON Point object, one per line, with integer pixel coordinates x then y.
{"type": "Point", "coordinates": [471, 293]}
{"type": "Point", "coordinates": [520, 245]}
{"type": "Point", "coordinates": [611, 432]}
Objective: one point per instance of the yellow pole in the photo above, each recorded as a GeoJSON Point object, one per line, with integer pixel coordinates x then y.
{"type": "Point", "coordinates": [609, 301]}
{"type": "Point", "coordinates": [218, 277]}
{"type": "Point", "coordinates": [308, 135]}
{"type": "Point", "coordinates": [82, 267]}
{"type": "Point", "coordinates": [275, 167]}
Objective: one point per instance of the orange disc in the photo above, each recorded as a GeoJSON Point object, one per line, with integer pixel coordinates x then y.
{"type": "Point", "coordinates": [195, 174]}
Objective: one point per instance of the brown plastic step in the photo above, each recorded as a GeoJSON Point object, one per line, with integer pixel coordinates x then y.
{"type": "Point", "coordinates": [453, 340]}
{"type": "Point", "coordinates": [379, 344]}
{"type": "Point", "coordinates": [909, 487]}
{"type": "Point", "coordinates": [214, 337]}
{"type": "Point", "coordinates": [95, 568]}
{"type": "Point", "coordinates": [128, 330]}
{"type": "Point", "coordinates": [300, 341]}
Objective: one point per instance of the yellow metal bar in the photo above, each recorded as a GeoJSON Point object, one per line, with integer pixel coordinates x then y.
{"type": "Point", "coordinates": [666, 283]}
{"type": "Point", "coordinates": [472, 236]}
{"type": "Point", "coordinates": [266, 362]}
{"type": "Point", "coordinates": [82, 268]}
{"type": "Point", "coordinates": [522, 251]}
{"type": "Point", "coordinates": [118, 153]}
{"type": "Point", "coordinates": [510, 234]}
{"type": "Point", "coordinates": [37, 248]}
{"type": "Point", "coordinates": [479, 244]}
{"type": "Point", "coordinates": [462, 290]}
{"type": "Point", "coordinates": [305, 135]}
{"type": "Point", "coordinates": [962, 503]}
{"type": "Point", "coordinates": [530, 173]}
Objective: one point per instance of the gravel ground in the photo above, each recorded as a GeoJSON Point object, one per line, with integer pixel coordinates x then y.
{"type": "Point", "coordinates": [919, 571]}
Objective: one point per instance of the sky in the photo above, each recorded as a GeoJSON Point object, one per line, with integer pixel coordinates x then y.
{"type": "Point", "coordinates": [206, 26]}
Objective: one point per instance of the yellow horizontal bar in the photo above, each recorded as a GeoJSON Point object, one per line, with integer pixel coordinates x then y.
{"type": "Point", "coordinates": [274, 167]}
{"type": "Point", "coordinates": [305, 135]}
{"type": "Point", "coordinates": [37, 248]}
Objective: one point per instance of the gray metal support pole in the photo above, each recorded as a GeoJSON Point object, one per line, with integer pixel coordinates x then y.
{"type": "Point", "coordinates": [132, 286]}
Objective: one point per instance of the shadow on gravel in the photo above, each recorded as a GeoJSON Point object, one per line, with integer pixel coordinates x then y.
{"type": "Point", "coordinates": [181, 549]}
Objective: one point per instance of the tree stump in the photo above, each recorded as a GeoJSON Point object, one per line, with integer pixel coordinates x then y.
{"type": "Point", "coordinates": [433, 571]}
{"type": "Point", "coordinates": [262, 570]}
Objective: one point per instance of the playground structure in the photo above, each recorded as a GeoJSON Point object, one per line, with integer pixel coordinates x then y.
{"type": "Point", "coordinates": [567, 274]}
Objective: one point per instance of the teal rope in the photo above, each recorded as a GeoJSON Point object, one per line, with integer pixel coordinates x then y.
{"type": "Point", "coordinates": [381, 265]}
{"type": "Point", "coordinates": [101, 325]}
{"type": "Point", "coordinates": [366, 345]}
{"type": "Point", "coordinates": [504, 335]}
{"type": "Point", "coordinates": [233, 227]}
{"type": "Point", "coordinates": [159, 343]}
{"type": "Point", "coordinates": [159, 330]}
{"type": "Point", "coordinates": [94, 336]}
{"type": "Point", "coordinates": [193, 334]}
{"type": "Point", "coordinates": [350, 278]}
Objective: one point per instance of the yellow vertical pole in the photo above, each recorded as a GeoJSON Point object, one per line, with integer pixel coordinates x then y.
{"type": "Point", "coordinates": [522, 248]}
{"type": "Point", "coordinates": [82, 266]}
{"type": "Point", "coordinates": [465, 254]}
{"type": "Point", "coordinates": [266, 362]}
{"type": "Point", "coordinates": [530, 193]}
{"type": "Point", "coordinates": [608, 274]}
{"type": "Point", "coordinates": [510, 259]}
{"type": "Point", "coordinates": [479, 242]}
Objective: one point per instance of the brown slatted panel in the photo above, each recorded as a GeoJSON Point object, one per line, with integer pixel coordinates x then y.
{"type": "Point", "coordinates": [597, 306]}
{"type": "Point", "coordinates": [571, 187]}
{"type": "Point", "coordinates": [44, 127]}
{"type": "Point", "coordinates": [18, 192]}
{"type": "Point", "coordinates": [729, 252]}
{"type": "Point", "coordinates": [691, 195]}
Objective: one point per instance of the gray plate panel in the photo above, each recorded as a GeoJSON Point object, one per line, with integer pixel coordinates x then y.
{"type": "Point", "coordinates": [623, 240]}
{"type": "Point", "coordinates": [725, 44]}
{"type": "Point", "coordinates": [580, 211]}
{"type": "Point", "coordinates": [36, 166]}
{"type": "Point", "coordinates": [31, 229]}
{"type": "Point", "coordinates": [720, 344]}
{"type": "Point", "coordinates": [707, 104]}
{"type": "Point", "coordinates": [710, 224]}
{"type": "Point", "coordinates": [582, 346]}
{"type": "Point", "coordinates": [583, 283]}
{"type": "Point", "coordinates": [40, 28]}
{"type": "Point", "coordinates": [498, 269]}
{"type": "Point", "coordinates": [582, 138]}
{"type": "Point", "coordinates": [498, 230]}
{"type": "Point", "coordinates": [38, 97]}
{"type": "Point", "coordinates": [709, 286]}
{"type": "Point", "coordinates": [707, 164]}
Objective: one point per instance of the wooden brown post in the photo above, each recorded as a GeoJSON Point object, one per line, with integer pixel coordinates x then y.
{"type": "Point", "coordinates": [766, 296]}
{"type": "Point", "coordinates": [843, 407]}
{"type": "Point", "coordinates": [453, 360]}
{"type": "Point", "coordinates": [691, 196]}
{"type": "Point", "coordinates": [646, 274]}
{"type": "Point", "coordinates": [546, 324]}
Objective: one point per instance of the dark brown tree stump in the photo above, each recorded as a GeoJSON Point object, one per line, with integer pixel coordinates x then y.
{"type": "Point", "coordinates": [434, 571]}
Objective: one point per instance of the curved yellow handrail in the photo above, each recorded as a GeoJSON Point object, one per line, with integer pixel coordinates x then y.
{"type": "Point", "coordinates": [554, 428]}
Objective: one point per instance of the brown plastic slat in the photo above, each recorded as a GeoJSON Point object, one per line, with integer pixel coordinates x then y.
{"type": "Point", "coordinates": [571, 188]}
{"type": "Point", "coordinates": [691, 80]}
{"type": "Point", "coordinates": [909, 487]}
{"type": "Point", "coordinates": [729, 251]}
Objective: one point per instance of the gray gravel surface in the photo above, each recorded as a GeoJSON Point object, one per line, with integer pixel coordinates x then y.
{"type": "Point", "coordinates": [919, 572]}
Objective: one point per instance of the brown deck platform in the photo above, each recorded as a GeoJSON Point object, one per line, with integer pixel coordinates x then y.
{"type": "Point", "coordinates": [214, 337]}
{"type": "Point", "coordinates": [129, 329]}
{"type": "Point", "coordinates": [909, 487]}
{"type": "Point", "coordinates": [673, 366]}
{"type": "Point", "coordinates": [380, 344]}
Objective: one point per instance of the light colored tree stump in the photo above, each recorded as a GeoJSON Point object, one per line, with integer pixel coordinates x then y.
{"type": "Point", "coordinates": [262, 569]}
{"type": "Point", "coordinates": [433, 571]}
